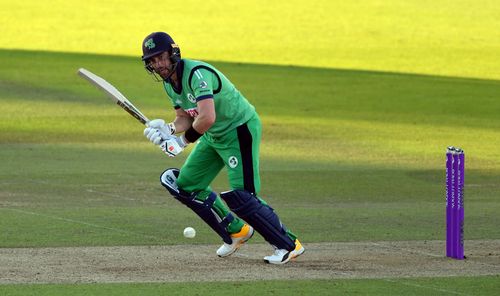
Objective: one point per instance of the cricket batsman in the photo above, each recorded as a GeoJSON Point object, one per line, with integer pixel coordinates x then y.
{"type": "Point", "coordinates": [210, 111]}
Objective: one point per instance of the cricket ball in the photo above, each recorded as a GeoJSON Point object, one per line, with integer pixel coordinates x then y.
{"type": "Point", "coordinates": [189, 232]}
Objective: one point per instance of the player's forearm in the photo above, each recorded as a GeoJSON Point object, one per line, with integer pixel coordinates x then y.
{"type": "Point", "coordinates": [182, 123]}
{"type": "Point", "coordinates": [203, 122]}
{"type": "Point", "coordinates": [200, 125]}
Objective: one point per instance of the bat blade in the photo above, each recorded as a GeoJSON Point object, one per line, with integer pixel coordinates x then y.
{"type": "Point", "coordinates": [114, 94]}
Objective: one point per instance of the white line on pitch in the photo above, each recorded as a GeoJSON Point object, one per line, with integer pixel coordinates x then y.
{"type": "Point", "coordinates": [81, 222]}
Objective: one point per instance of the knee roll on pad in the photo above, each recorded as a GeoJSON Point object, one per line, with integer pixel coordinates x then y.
{"type": "Point", "coordinates": [202, 208]}
{"type": "Point", "coordinates": [261, 217]}
{"type": "Point", "coordinates": [169, 180]}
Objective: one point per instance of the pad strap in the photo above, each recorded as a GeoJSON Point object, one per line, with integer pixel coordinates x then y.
{"type": "Point", "coordinates": [209, 203]}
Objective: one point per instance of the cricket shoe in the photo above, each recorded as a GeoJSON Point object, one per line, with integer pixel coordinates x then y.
{"type": "Point", "coordinates": [282, 256]}
{"type": "Point", "coordinates": [238, 238]}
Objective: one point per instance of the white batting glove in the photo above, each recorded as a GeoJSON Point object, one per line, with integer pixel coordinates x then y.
{"type": "Point", "coordinates": [157, 131]}
{"type": "Point", "coordinates": [173, 145]}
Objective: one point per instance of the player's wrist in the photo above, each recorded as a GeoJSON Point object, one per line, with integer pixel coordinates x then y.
{"type": "Point", "coordinates": [191, 135]}
{"type": "Point", "coordinates": [182, 141]}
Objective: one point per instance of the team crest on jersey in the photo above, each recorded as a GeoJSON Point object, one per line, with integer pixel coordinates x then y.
{"type": "Point", "coordinates": [203, 84]}
{"type": "Point", "coordinates": [191, 98]}
{"type": "Point", "coordinates": [232, 161]}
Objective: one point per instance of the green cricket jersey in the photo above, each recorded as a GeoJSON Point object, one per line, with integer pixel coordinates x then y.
{"type": "Point", "coordinates": [201, 81]}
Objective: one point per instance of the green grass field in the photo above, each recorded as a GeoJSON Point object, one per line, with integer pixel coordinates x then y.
{"type": "Point", "coordinates": [356, 140]}
{"type": "Point", "coordinates": [436, 37]}
{"type": "Point", "coordinates": [422, 286]}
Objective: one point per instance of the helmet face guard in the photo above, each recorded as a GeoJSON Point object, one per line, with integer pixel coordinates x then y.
{"type": "Point", "coordinates": [156, 43]}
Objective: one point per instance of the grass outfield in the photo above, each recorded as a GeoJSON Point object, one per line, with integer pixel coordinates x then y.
{"type": "Point", "coordinates": [335, 151]}
{"type": "Point", "coordinates": [421, 286]}
{"type": "Point", "coordinates": [438, 37]}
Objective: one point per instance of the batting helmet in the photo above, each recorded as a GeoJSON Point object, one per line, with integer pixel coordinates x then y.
{"type": "Point", "coordinates": [158, 42]}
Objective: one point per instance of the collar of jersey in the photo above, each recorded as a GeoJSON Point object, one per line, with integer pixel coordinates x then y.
{"type": "Point", "coordinates": [179, 70]}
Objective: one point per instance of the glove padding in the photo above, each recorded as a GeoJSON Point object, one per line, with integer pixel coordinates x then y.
{"type": "Point", "coordinates": [157, 131]}
{"type": "Point", "coordinates": [173, 145]}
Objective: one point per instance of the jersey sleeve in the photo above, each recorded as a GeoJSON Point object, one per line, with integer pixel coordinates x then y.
{"type": "Point", "coordinates": [203, 82]}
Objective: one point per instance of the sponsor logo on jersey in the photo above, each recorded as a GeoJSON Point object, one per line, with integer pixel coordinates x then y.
{"type": "Point", "coordinates": [192, 112]}
{"type": "Point", "coordinates": [203, 84]}
{"type": "Point", "coordinates": [232, 161]}
{"type": "Point", "coordinates": [191, 98]}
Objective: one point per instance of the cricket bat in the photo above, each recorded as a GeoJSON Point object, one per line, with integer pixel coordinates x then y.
{"type": "Point", "coordinates": [114, 94]}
